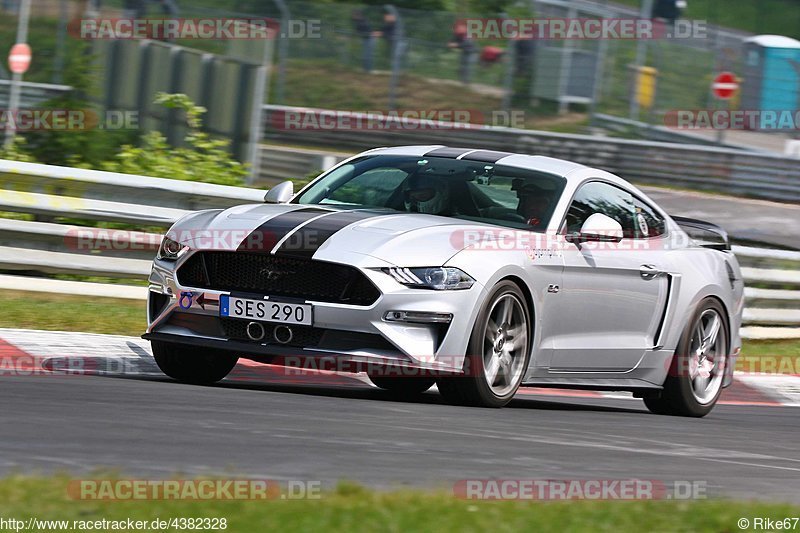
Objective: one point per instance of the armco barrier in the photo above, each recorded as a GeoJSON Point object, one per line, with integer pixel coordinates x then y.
{"type": "Point", "coordinates": [34, 178]}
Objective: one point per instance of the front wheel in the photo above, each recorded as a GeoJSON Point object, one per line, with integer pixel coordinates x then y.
{"type": "Point", "coordinates": [189, 364]}
{"type": "Point", "coordinates": [698, 367]}
{"type": "Point", "coordinates": [498, 352]}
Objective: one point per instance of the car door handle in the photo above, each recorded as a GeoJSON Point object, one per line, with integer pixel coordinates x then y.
{"type": "Point", "coordinates": [648, 272]}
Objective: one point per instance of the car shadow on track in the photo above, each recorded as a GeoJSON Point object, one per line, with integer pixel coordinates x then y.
{"type": "Point", "coordinates": [366, 392]}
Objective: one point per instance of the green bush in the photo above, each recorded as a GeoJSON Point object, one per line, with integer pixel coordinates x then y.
{"type": "Point", "coordinates": [17, 151]}
{"type": "Point", "coordinates": [201, 159]}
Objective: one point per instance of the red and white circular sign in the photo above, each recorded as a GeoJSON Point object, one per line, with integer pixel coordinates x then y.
{"type": "Point", "coordinates": [19, 59]}
{"type": "Point", "coordinates": [725, 85]}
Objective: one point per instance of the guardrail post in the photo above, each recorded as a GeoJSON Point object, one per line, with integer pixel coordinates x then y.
{"type": "Point", "coordinates": [58, 60]}
{"type": "Point", "coordinates": [260, 92]}
{"type": "Point", "coordinates": [283, 49]}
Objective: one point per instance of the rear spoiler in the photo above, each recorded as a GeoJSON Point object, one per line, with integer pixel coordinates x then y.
{"type": "Point", "coordinates": [704, 233]}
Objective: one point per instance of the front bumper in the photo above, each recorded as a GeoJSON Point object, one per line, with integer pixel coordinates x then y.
{"type": "Point", "coordinates": [344, 334]}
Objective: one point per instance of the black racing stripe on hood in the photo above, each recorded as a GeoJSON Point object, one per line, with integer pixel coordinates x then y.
{"type": "Point", "coordinates": [267, 235]}
{"type": "Point", "coordinates": [486, 156]}
{"type": "Point", "coordinates": [308, 239]}
{"type": "Point", "coordinates": [448, 152]}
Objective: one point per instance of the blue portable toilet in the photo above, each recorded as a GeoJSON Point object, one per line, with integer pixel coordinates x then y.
{"type": "Point", "coordinates": [772, 73]}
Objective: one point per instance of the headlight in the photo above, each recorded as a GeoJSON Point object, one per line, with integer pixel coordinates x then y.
{"type": "Point", "coordinates": [438, 278]}
{"type": "Point", "coordinates": [171, 250]}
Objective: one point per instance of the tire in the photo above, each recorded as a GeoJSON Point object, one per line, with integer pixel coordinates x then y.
{"type": "Point", "coordinates": [697, 370]}
{"type": "Point", "coordinates": [489, 347]}
{"type": "Point", "coordinates": [403, 385]}
{"type": "Point", "coordinates": [189, 364]}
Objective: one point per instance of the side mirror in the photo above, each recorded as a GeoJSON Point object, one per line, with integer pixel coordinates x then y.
{"type": "Point", "coordinates": [280, 194]}
{"type": "Point", "coordinates": [597, 228]}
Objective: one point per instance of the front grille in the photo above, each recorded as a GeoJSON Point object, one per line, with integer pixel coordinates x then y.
{"type": "Point", "coordinates": [302, 336]}
{"type": "Point", "coordinates": [277, 276]}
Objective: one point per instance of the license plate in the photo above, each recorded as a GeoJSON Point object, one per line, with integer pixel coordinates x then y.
{"type": "Point", "coordinates": [265, 310]}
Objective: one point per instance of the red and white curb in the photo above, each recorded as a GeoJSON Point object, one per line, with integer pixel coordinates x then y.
{"type": "Point", "coordinates": [34, 352]}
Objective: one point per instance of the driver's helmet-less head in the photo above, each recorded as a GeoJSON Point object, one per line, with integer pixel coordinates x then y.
{"type": "Point", "coordinates": [534, 202]}
{"type": "Point", "coordinates": [428, 195]}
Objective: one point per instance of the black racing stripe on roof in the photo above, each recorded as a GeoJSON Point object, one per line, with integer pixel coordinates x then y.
{"type": "Point", "coordinates": [308, 239]}
{"type": "Point", "coordinates": [267, 235]}
{"type": "Point", "coordinates": [448, 152]}
{"type": "Point", "coordinates": [486, 156]}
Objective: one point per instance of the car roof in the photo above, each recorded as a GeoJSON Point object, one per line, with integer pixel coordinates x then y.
{"type": "Point", "coordinates": [551, 165]}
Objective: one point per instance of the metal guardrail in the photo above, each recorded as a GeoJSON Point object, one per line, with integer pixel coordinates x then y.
{"type": "Point", "coordinates": [53, 191]}
{"type": "Point", "coordinates": [48, 248]}
{"type": "Point", "coordinates": [623, 126]}
{"type": "Point", "coordinates": [78, 185]}
{"type": "Point", "coordinates": [695, 167]}
{"type": "Point", "coordinates": [278, 163]}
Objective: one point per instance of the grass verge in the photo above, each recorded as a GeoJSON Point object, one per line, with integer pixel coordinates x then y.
{"type": "Point", "coordinates": [770, 356]}
{"type": "Point", "coordinates": [37, 310]}
{"type": "Point", "coordinates": [354, 508]}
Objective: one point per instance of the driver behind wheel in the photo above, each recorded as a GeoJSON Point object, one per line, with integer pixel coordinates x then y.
{"type": "Point", "coordinates": [429, 195]}
{"type": "Point", "coordinates": [534, 205]}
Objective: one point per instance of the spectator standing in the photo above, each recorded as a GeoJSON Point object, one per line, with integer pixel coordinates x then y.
{"type": "Point", "coordinates": [461, 41]}
{"type": "Point", "coordinates": [363, 31]}
{"type": "Point", "coordinates": [393, 36]}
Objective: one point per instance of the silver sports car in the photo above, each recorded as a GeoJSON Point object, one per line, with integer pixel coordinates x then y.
{"type": "Point", "coordinates": [479, 271]}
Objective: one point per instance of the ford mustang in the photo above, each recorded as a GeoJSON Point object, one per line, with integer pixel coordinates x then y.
{"type": "Point", "coordinates": [475, 270]}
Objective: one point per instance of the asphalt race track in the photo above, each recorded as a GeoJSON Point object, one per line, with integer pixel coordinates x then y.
{"type": "Point", "coordinates": [265, 424]}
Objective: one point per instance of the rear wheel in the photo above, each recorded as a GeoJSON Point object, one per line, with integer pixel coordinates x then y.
{"type": "Point", "coordinates": [189, 364]}
{"type": "Point", "coordinates": [403, 385]}
{"type": "Point", "coordinates": [694, 383]}
{"type": "Point", "coordinates": [498, 352]}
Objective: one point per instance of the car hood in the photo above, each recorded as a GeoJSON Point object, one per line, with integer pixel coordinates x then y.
{"type": "Point", "coordinates": [366, 238]}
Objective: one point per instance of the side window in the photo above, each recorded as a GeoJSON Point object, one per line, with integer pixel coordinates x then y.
{"type": "Point", "coordinates": [598, 197]}
{"type": "Point", "coordinates": [648, 222]}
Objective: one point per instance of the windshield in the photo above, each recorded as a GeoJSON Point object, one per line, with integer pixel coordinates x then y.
{"type": "Point", "coordinates": [470, 190]}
